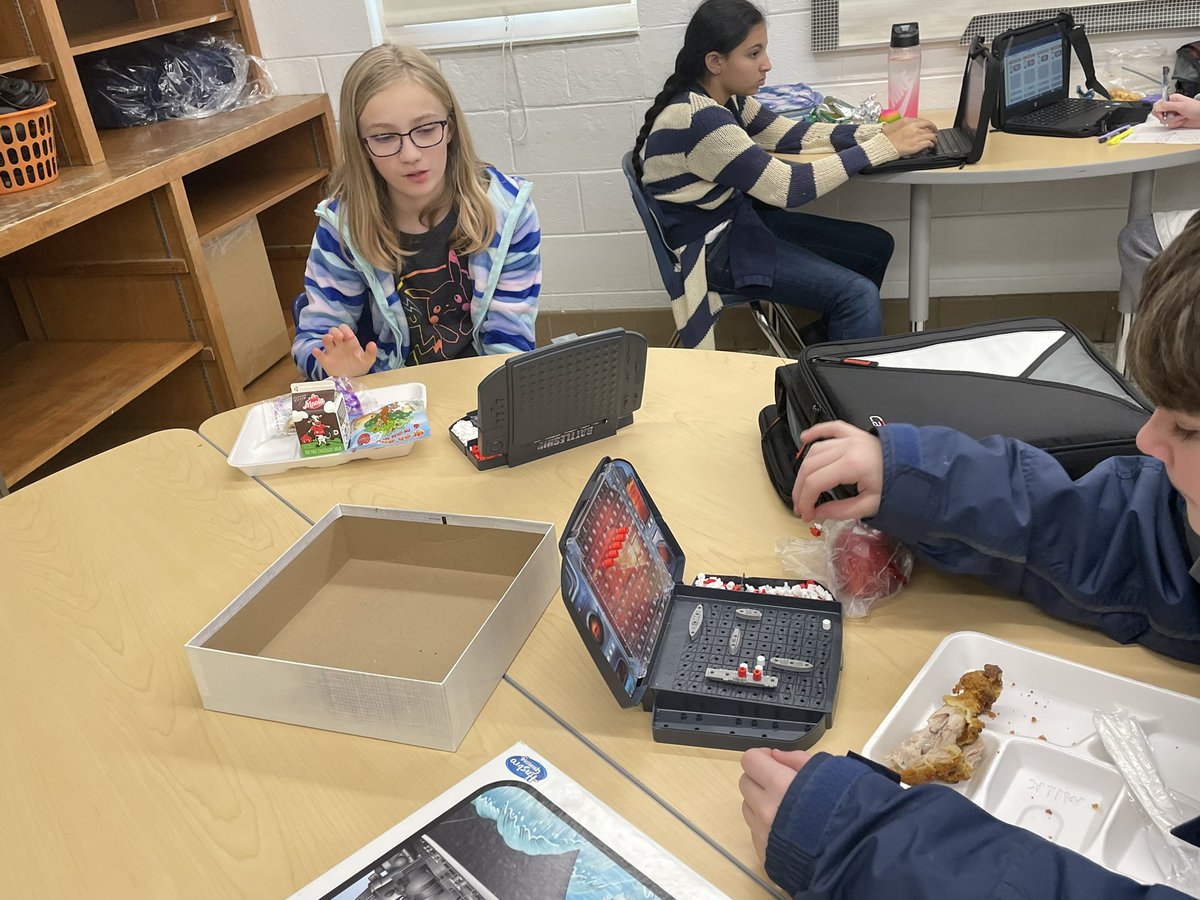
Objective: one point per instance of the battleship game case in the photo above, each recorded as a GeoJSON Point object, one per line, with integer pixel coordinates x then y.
{"type": "Point", "coordinates": [726, 668]}
{"type": "Point", "coordinates": [555, 398]}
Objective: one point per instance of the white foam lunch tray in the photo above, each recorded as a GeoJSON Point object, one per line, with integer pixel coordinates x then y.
{"type": "Point", "coordinates": [259, 451]}
{"type": "Point", "coordinates": [1053, 775]}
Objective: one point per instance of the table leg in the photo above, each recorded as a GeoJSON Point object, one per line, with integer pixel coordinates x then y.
{"type": "Point", "coordinates": [920, 216]}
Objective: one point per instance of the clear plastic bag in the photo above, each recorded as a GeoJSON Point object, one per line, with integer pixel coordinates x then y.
{"type": "Point", "coordinates": [1126, 743]}
{"type": "Point", "coordinates": [860, 563]}
{"type": "Point", "coordinates": [1137, 70]}
{"type": "Point", "coordinates": [183, 75]}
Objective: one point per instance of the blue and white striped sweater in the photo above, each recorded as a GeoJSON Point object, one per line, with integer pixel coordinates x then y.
{"type": "Point", "coordinates": [507, 277]}
{"type": "Point", "coordinates": [702, 160]}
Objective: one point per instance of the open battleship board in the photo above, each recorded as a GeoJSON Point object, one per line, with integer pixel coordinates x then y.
{"type": "Point", "coordinates": [677, 649]}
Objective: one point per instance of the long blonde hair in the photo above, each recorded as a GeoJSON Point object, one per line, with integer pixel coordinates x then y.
{"type": "Point", "coordinates": [362, 193]}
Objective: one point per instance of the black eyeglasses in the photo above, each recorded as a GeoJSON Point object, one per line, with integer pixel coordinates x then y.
{"type": "Point", "coordinates": [424, 136]}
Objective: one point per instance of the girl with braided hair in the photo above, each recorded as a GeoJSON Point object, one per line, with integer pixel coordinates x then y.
{"type": "Point", "coordinates": [726, 205]}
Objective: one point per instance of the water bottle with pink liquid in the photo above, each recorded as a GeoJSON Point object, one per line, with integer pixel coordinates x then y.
{"type": "Point", "coordinates": [904, 69]}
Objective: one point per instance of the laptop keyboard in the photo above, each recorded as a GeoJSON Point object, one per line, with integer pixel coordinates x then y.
{"type": "Point", "coordinates": [950, 142]}
{"type": "Point", "coordinates": [1057, 113]}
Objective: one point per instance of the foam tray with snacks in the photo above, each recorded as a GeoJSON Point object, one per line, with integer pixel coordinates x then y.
{"type": "Point", "coordinates": [1045, 767]}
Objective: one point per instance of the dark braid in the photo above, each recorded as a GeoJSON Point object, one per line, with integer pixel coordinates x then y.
{"type": "Point", "coordinates": [718, 25]}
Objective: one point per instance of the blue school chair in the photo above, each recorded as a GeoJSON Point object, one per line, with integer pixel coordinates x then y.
{"type": "Point", "coordinates": [767, 315]}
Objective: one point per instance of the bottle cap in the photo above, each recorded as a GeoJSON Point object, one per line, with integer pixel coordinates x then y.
{"type": "Point", "coordinates": [906, 34]}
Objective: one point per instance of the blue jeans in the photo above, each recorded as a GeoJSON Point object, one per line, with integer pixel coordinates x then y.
{"type": "Point", "coordinates": [827, 265]}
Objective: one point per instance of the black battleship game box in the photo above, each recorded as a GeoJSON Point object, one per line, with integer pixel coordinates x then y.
{"type": "Point", "coordinates": [730, 662]}
{"type": "Point", "coordinates": [554, 398]}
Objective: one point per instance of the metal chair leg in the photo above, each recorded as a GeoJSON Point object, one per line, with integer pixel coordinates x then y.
{"type": "Point", "coordinates": [788, 322]}
{"type": "Point", "coordinates": [768, 331]}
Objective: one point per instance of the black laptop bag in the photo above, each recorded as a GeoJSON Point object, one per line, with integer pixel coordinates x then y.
{"type": "Point", "coordinates": [1036, 379]}
{"type": "Point", "coordinates": [1064, 23]}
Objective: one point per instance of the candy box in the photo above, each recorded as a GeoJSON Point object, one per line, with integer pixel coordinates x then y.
{"type": "Point", "coordinates": [319, 415]}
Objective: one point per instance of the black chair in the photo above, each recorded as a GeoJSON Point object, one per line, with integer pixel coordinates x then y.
{"type": "Point", "coordinates": [767, 315]}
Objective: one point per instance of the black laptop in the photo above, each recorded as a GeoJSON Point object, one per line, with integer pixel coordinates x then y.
{"type": "Point", "coordinates": [964, 142]}
{"type": "Point", "coordinates": [1035, 62]}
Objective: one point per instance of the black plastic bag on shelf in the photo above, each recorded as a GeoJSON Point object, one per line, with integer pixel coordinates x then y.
{"type": "Point", "coordinates": [182, 75]}
{"type": "Point", "coordinates": [17, 94]}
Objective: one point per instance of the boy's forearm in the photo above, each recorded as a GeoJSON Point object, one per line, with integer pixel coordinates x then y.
{"type": "Point", "coordinates": [844, 831]}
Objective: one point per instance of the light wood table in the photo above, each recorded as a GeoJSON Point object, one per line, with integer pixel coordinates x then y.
{"type": "Point", "coordinates": [695, 445]}
{"type": "Point", "coordinates": [1017, 158]}
{"type": "Point", "coordinates": [117, 783]}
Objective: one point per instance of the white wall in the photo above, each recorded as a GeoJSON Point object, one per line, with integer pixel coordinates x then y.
{"type": "Point", "coordinates": [574, 107]}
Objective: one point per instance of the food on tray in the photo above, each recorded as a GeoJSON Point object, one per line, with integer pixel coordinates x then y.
{"type": "Point", "coordinates": [946, 749]}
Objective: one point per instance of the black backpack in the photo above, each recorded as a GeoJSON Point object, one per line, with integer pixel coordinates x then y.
{"type": "Point", "coordinates": [1066, 399]}
{"type": "Point", "coordinates": [1187, 69]}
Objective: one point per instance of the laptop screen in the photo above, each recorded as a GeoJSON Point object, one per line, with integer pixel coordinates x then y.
{"type": "Point", "coordinates": [972, 107]}
{"type": "Point", "coordinates": [1035, 67]}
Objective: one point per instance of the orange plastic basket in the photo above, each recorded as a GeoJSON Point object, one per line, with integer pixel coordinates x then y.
{"type": "Point", "coordinates": [27, 154]}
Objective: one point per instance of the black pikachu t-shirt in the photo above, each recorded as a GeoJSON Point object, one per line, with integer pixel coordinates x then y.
{"type": "Point", "coordinates": [435, 289]}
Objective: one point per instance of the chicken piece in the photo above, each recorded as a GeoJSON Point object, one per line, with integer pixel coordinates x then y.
{"type": "Point", "coordinates": [946, 748]}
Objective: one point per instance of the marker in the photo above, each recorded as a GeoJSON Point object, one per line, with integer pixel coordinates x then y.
{"type": "Point", "coordinates": [1110, 134]}
{"type": "Point", "coordinates": [1120, 137]}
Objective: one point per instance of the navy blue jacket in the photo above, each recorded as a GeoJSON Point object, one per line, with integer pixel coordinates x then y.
{"type": "Point", "coordinates": [1108, 551]}
{"type": "Point", "coordinates": [846, 831]}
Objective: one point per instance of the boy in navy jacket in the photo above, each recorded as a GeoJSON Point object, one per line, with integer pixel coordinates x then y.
{"type": "Point", "coordinates": [1116, 550]}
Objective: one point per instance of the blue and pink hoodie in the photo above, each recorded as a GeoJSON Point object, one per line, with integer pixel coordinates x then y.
{"type": "Point", "coordinates": [507, 276]}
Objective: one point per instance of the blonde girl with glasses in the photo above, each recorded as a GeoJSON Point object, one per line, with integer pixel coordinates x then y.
{"type": "Point", "coordinates": [422, 252]}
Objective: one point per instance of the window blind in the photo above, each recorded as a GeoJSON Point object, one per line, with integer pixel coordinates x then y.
{"type": "Point", "coordinates": [423, 12]}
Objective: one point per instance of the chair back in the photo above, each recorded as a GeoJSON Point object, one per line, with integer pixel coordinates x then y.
{"type": "Point", "coordinates": [298, 304]}
{"type": "Point", "coordinates": [663, 256]}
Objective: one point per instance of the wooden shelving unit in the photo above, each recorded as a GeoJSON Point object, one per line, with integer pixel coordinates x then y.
{"type": "Point", "coordinates": [110, 318]}
{"type": "Point", "coordinates": [225, 204]}
{"type": "Point", "coordinates": [138, 30]}
{"type": "Point", "coordinates": [17, 63]}
{"type": "Point", "coordinates": [88, 382]}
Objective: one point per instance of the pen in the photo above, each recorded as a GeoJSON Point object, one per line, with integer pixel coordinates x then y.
{"type": "Point", "coordinates": [1104, 138]}
{"type": "Point", "coordinates": [1166, 83]}
{"type": "Point", "coordinates": [1120, 137]}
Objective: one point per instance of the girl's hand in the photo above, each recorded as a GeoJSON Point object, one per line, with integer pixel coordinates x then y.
{"type": "Point", "coordinates": [766, 777]}
{"type": "Point", "coordinates": [911, 136]}
{"type": "Point", "coordinates": [343, 354]}
{"type": "Point", "coordinates": [890, 127]}
{"type": "Point", "coordinates": [1179, 111]}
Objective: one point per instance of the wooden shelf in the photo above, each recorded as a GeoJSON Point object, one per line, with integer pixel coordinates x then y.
{"type": "Point", "coordinates": [17, 63]}
{"type": "Point", "coordinates": [79, 384]}
{"type": "Point", "coordinates": [220, 207]}
{"type": "Point", "coordinates": [138, 30]}
{"type": "Point", "coordinates": [141, 159]}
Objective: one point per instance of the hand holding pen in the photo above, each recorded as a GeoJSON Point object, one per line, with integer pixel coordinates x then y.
{"type": "Point", "coordinates": [1179, 111]}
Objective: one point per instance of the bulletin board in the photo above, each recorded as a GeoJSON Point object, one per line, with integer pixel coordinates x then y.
{"type": "Point", "coordinates": [840, 24]}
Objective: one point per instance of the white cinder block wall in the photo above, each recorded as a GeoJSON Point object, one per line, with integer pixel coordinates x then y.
{"type": "Point", "coordinates": [573, 109]}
